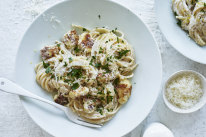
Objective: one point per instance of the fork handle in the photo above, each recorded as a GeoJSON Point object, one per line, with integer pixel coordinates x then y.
{"type": "Point", "coordinates": [10, 87]}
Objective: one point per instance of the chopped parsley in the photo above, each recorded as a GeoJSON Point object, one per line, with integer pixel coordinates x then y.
{"type": "Point", "coordinates": [109, 99]}
{"type": "Point", "coordinates": [106, 68]}
{"type": "Point", "coordinates": [89, 96]}
{"type": "Point", "coordinates": [52, 76]}
{"type": "Point", "coordinates": [100, 92]}
{"type": "Point", "coordinates": [122, 53]}
{"type": "Point", "coordinates": [116, 81]}
{"type": "Point", "coordinates": [65, 64]}
{"type": "Point", "coordinates": [46, 64]}
{"type": "Point", "coordinates": [106, 41]}
{"type": "Point", "coordinates": [109, 110]}
{"type": "Point", "coordinates": [102, 98]}
{"type": "Point", "coordinates": [99, 109]}
{"type": "Point", "coordinates": [48, 70]}
{"type": "Point", "coordinates": [109, 58]}
{"type": "Point", "coordinates": [67, 80]}
{"type": "Point", "coordinates": [98, 65]}
{"type": "Point", "coordinates": [70, 60]}
{"type": "Point", "coordinates": [115, 91]}
{"type": "Point", "coordinates": [93, 57]}
{"type": "Point", "coordinates": [76, 73]}
{"type": "Point", "coordinates": [118, 39]}
{"type": "Point", "coordinates": [84, 29]}
{"type": "Point", "coordinates": [100, 50]}
{"type": "Point", "coordinates": [175, 13]}
{"type": "Point", "coordinates": [75, 86]}
{"type": "Point", "coordinates": [92, 60]}
{"type": "Point", "coordinates": [58, 45]}
{"type": "Point", "coordinates": [99, 16]}
{"type": "Point", "coordinates": [76, 49]}
{"type": "Point", "coordinates": [179, 22]}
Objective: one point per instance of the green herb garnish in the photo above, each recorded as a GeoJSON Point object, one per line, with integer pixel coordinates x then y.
{"type": "Point", "coordinates": [99, 16]}
{"type": "Point", "coordinates": [76, 73]}
{"type": "Point", "coordinates": [115, 91]}
{"type": "Point", "coordinates": [122, 53]}
{"type": "Point", "coordinates": [93, 57]}
{"type": "Point", "coordinates": [116, 81]}
{"type": "Point", "coordinates": [100, 50]}
{"type": "Point", "coordinates": [70, 60]}
{"type": "Point", "coordinates": [76, 49]}
{"type": "Point", "coordinates": [100, 109]}
{"type": "Point", "coordinates": [67, 80]}
{"type": "Point", "coordinates": [109, 99]}
{"type": "Point", "coordinates": [48, 70]}
{"type": "Point", "coordinates": [98, 65]}
{"type": "Point", "coordinates": [106, 67]}
{"type": "Point", "coordinates": [175, 13]}
{"type": "Point", "coordinates": [65, 64]}
{"type": "Point", "coordinates": [46, 64]}
{"type": "Point", "coordinates": [75, 86]}
{"type": "Point", "coordinates": [179, 22]}
{"type": "Point", "coordinates": [58, 45]}
{"type": "Point", "coordinates": [117, 39]}
{"type": "Point", "coordinates": [100, 92]}
{"type": "Point", "coordinates": [84, 29]}
{"type": "Point", "coordinates": [109, 110]}
{"type": "Point", "coordinates": [52, 76]}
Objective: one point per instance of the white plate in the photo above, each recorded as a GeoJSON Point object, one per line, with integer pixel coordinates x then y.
{"type": "Point", "coordinates": [85, 12]}
{"type": "Point", "coordinates": [177, 37]}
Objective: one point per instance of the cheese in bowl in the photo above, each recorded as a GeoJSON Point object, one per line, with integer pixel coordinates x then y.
{"type": "Point", "coordinates": [184, 90]}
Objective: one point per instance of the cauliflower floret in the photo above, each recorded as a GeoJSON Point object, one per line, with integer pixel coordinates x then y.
{"type": "Point", "coordinates": [124, 91]}
{"type": "Point", "coordinates": [71, 39]}
{"type": "Point", "coordinates": [81, 91]}
{"type": "Point", "coordinates": [48, 52]}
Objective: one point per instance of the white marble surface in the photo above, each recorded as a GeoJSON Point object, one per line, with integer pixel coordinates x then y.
{"type": "Point", "coordinates": [17, 15]}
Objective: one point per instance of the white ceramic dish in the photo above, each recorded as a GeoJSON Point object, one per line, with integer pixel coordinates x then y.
{"type": "Point", "coordinates": [85, 12]}
{"type": "Point", "coordinates": [177, 37]}
{"type": "Point", "coordinates": [197, 106]}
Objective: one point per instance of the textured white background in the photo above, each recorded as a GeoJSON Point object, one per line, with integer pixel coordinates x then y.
{"type": "Point", "coordinates": [17, 15]}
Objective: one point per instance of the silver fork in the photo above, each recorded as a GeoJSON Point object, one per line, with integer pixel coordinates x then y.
{"type": "Point", "coordinates": [10, 87]}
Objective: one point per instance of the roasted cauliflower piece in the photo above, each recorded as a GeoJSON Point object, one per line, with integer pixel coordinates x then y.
{"type": "Point", "coordinates": [81, 91]}
{"type": "Point", "coordinates": [123, 89]}
{"type": "Point", "coordinates": [48, 52]}
{"type": "Point", "coordinates": [71, 39]}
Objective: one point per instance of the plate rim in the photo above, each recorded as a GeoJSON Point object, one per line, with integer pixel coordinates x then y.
{"type": "Point", "coordinates": [114, 2]}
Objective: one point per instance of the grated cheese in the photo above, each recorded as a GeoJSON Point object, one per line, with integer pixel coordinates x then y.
{"type": "Point", "coordinates": [184, 91]}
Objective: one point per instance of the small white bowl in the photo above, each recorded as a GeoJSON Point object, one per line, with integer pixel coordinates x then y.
{"type": "Point", "coordinates": [194, 108]}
